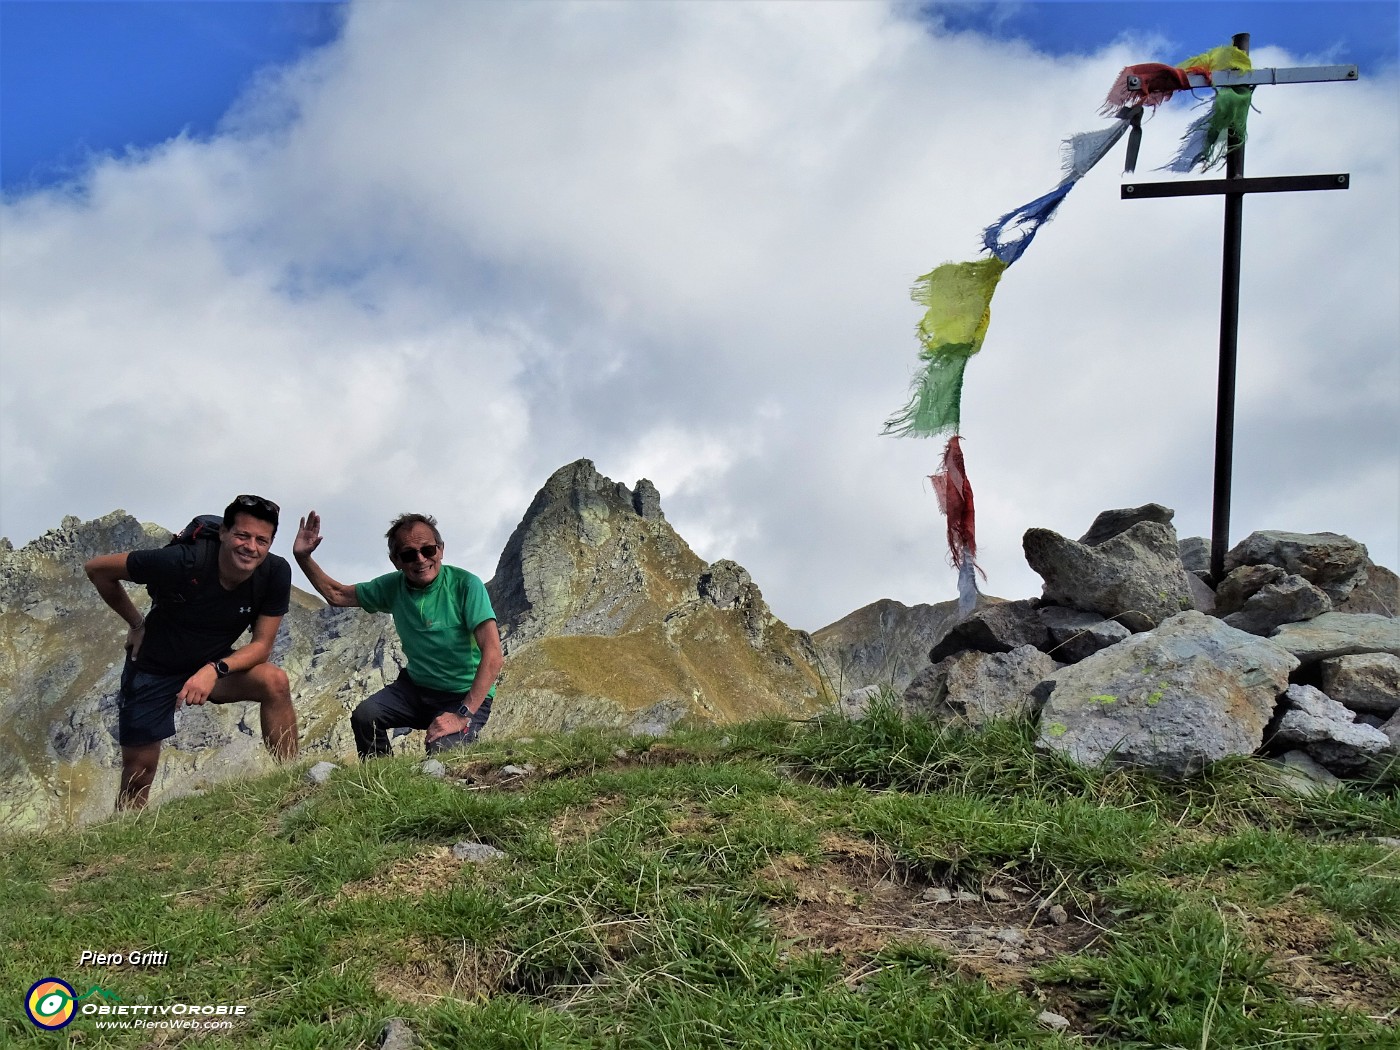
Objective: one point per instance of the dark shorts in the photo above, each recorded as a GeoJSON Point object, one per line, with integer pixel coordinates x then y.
{"type": "Point", "coordinates": [406, 704]}
{"type": "Point", "coordinates": [146, 706]}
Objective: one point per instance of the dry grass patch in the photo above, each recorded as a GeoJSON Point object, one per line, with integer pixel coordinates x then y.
{"type": "Point", "coordinates": [429, 869]}
{"type": "Point", "coordinates": [1298, 943]}
{"type": "Point", "coordinates": [426, 971]}
{"type": "Point", "coordinates": [855, 903]}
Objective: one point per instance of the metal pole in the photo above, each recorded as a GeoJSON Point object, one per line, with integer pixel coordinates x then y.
{"type": "Point", "coordinates": [1229, 341]}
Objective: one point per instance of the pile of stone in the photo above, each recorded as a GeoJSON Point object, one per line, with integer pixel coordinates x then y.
{"type": "Point", "coordinates": [1134, 655]}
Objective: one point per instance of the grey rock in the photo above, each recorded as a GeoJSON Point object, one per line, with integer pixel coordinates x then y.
{"type": "Point", "coordinates": [476, 852]}
{"type": "Point", "coordinates": [1314, 722]}
{"type": "Point", "coordinates": [1368, 682]}
{"type": "Point", "coordinates": [1392, 731]}
{"type": "Point", "coordinates": [1057, 915]}
{"type": "Point", "coordinates": [1192, 691]}
{"type": "Point", "coordinates": [321, 772]}
{"type": "Point", "coordinates": [1339, 634]}
{"type": "Point", "coordinates": [1195, 554]}
{"type": "Point", "coordinates": [516, 771]}
{"type": "Point", "coordinates": [1075, 635]}
{"type": "Point", "coordinates": [1050, 1019]}
{"type": "Point", "coordinates": [723, 584]}
{"type": "Point", "coordinates": [610, 620]}
{"type": "Point", "coordinates": [1290, 600]}
{"type": "Point", "coordinates": [856, 704]}
{"type": "Point", "coordinates": [1379, 594]}
{"type": "Point", "coordinates": [1303, 776]}
{"type": "Point", "coordinates": [1112, 523]}
{"type": "Point", "coordinates": [646, 501]}
{"type": "Point", "coordinates": [433, 768]}
{"type": "Point", "coordinates": [397, 1035]}
{"type": "Point", "coordinates": [1335, 563]}
{"type": "Point", "coordinates": [1239, 585]}
{"type": "Point", "coordinates": [937, 895]}
{"type": "Point", "coordinates": [1010, 935]}
{"type": "Point", "coordinates": [1202, 595]}
{"type": "Point", "coordinates": [994, 628]}
{"type": "Point", "coordinates": [978, 687]}
{"type": "Point", "coordinates": [1136, 577]}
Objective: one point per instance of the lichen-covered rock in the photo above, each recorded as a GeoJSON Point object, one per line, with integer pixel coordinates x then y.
{"type": "Point", "coordinates": [1192, 691]}
{"type": "Point", "coordinates": [1339, 634]}
{"type": "Point", "coordinates": [1135, 576]}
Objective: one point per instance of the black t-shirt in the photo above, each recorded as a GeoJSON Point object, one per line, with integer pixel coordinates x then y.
{"type": "Point", "coordinates": [195, 620]}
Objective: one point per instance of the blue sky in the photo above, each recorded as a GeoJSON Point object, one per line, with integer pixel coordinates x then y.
{"type": "Point", "coordinates": [391, 256]}
{"type": "Point", "coordinates": [100, 75]}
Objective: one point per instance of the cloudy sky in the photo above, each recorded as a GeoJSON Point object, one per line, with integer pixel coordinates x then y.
{"type": "Point", "coordinates": [377, 257]}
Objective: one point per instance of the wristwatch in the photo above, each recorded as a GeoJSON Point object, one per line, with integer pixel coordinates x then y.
{"type": "Point", "coordinates": [464, 711]}
{"type": "Point", "coordinates": [221, 669]}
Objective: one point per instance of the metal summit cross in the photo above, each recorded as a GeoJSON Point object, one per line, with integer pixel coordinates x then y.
{"type": "Point", "coordinates": [1234, 186]}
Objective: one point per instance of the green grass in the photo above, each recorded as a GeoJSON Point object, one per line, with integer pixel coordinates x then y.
{"type": "Point", "coordinates": [767, 884]}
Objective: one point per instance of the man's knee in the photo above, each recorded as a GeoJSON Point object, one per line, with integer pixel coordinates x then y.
{"type": "Point", "coordinates": [271, 681]}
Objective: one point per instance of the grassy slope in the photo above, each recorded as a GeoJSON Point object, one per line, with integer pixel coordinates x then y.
{"type": "Point", "coordinates": [769, 885]}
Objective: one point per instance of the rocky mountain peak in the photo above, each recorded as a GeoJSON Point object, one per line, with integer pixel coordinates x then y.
{"type": "Point", "coordinates": [590, 556]}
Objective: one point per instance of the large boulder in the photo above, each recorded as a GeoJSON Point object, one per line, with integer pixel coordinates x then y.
{"type": "Point", "coordinates": [975, 688]}
{"type": "Point", "coordinates": [1335, 563]}
{"type": "Point", "coordinates": [1339, 634]}
{"type": "Point", "coordinates": [1192, 691]}
{"type": "Point", "coordinates": [1135, 576]}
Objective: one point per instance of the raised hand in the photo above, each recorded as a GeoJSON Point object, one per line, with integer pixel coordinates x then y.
{"type": "Point", "coordinates": [308, 535]}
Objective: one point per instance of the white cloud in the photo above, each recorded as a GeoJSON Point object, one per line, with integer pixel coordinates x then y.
{"type": "Point", "coordinates": [467, 244]}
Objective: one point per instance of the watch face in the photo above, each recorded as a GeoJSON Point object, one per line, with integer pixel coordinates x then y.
{"type": "Point", "coordinates": [221, 668]}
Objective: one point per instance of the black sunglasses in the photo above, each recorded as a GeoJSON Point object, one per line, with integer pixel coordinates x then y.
{"type": "Point", "coordinates": [411, 554]}
{"type": "Point", "coordinates": [257, 501]}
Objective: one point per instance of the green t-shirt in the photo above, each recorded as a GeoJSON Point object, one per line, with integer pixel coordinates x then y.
{"type": "Point", "coordinates": [436, 624]}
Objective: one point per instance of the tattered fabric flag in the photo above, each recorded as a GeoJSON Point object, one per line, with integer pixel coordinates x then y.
{"type": "Point", "coordinates": [1012, 234]}
{"type": "Point", "coordinates": [959, 298]}
{"type": "Point", "coordinates": [954, 493]}
{"type": "Point", "coordinates": [1207, 139]}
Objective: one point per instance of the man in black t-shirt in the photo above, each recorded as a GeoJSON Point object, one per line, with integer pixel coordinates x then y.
{"type": "Point", "coordinates": [206, 594]}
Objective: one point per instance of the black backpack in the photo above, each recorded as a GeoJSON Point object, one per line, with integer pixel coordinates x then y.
{"type": "Point", "coordinates": [203, 532]}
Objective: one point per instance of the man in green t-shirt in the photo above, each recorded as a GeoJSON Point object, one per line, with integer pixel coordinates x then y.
{"type": "Point", "coordinates": [446, 625]}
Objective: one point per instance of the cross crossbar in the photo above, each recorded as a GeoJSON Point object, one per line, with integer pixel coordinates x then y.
{"type": "Point", "coordinates": [1287, 75]}
{"type": "Point", "coordinates": [1201, 188]}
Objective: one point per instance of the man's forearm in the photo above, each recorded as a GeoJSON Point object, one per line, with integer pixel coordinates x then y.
{"type": "Point", "coordinates": [109, 587]}
{"type": "Point", "coordinates": [335, 592]}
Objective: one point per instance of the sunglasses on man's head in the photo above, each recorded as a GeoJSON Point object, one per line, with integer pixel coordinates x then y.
{"type": "Point", "coordinates": [257, 501]}
{"type": "Point", "coordinates": [411, 554]}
